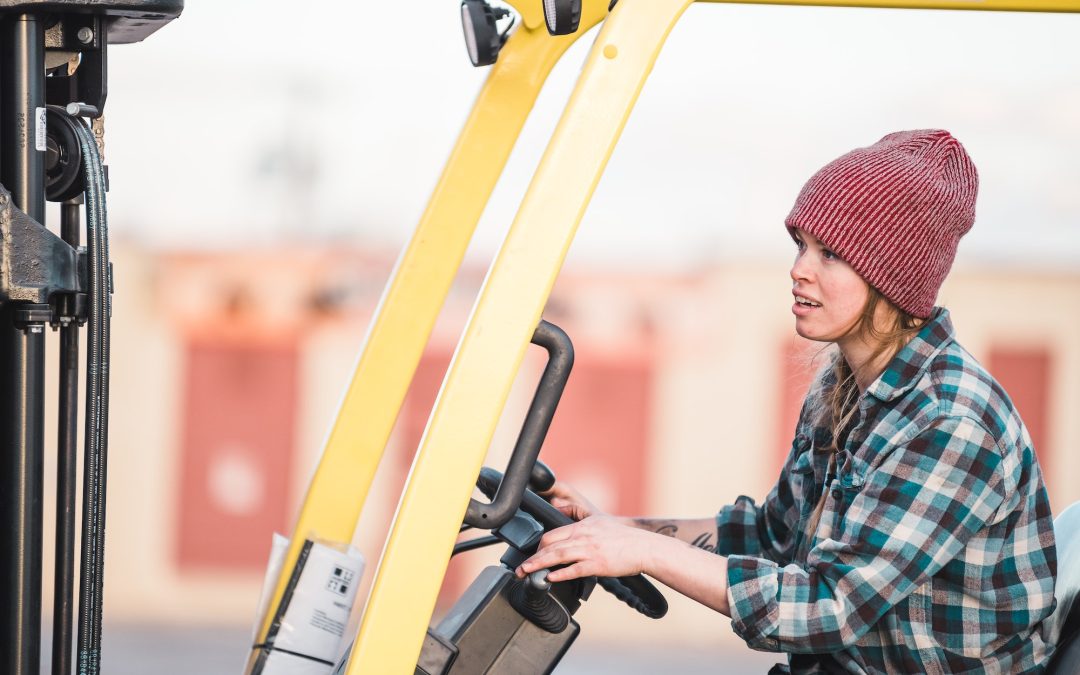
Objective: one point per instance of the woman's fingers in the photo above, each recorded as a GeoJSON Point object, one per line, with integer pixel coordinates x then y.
{"type": "Point", "coordinates": [600, 546]}
{"type": "Point", "coordinates": [557, 535]}
{"type": "Point", "coordinates": [567, 508]}
{"type": "Point", "coordinates": [561, 553]}
{"type": "Point", "coordinates": [575, 571]}
{"type": "Point", "coordinates": [570, 502]}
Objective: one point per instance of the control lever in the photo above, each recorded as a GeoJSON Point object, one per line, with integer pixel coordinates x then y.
{"type": "Point", "coordinates": [531, 598]}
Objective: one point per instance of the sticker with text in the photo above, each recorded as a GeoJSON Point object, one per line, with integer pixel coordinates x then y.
{"type": "Point", "coordinates": [39, 129]}
{"type": "Point", "coordinates": [341, 579]}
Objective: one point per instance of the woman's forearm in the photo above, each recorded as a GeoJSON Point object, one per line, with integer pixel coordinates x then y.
{"type": "Point", "coordinates": [692, 571]}
{"type": "Point", "coordinates": [612, 547]}
{"type": "Point", "coordinates": [698, 532]}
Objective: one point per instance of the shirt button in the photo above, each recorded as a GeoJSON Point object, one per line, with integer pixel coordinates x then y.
{"type": "Point", "coordinates": [836, 493]}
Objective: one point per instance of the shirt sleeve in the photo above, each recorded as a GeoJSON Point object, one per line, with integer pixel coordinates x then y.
{"type": "Point", "coordinates": [914, 513]}
{"type": "Point", "coordinates": [765, 531]}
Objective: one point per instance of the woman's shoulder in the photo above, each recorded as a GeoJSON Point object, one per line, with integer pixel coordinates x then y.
{"type": "Point", "coordinates": [961, 386]}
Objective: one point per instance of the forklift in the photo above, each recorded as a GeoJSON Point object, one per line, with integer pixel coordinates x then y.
{"type": "Point", "coordinates": [53, 73]}
{"type": "Point", "coordinates": [501, 624]}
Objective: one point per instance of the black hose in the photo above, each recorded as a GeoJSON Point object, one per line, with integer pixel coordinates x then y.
{"type": "Point", "coordinates": [97, 409]}
{"type": "Point", "coordinates": [65, 468]}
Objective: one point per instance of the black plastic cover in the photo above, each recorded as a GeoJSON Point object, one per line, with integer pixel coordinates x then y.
{"type": "Point", "coordinates": [129, 20]}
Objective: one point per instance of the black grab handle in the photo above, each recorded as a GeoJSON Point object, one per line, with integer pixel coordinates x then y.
{"type": "Point", "coordinates": [542, 409]}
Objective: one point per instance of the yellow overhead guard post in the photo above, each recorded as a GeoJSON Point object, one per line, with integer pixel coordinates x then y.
{"type": "Point", "coordinates": [507, 312]}
{"type": "Point", "coordinates": [419, 285]}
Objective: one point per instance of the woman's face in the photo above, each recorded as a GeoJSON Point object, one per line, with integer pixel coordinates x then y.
{"type": "Point", "coordinates": [829, 295]}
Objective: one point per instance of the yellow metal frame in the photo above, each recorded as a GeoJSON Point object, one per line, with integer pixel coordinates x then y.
{"type": "Point", "coordinates": [490, 352]}
{"type": "Point", "coordinates": [419, 284]}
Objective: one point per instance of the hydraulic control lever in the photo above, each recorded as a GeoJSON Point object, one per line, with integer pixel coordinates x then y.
{"type": "Point", "coordinates": [635, 590]}
{"type": "Point", "coordinates": [523, 468]}
{"type": "Point", "coordinates": [531, 598]}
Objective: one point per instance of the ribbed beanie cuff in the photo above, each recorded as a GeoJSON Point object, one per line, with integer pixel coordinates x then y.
{"type": "Point", "coordinates": [895, 211]}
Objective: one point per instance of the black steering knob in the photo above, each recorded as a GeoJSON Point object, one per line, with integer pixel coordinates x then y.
{"type": "Point", "coordinates": [541, 478]}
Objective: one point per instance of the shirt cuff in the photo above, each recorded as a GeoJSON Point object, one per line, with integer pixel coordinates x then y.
{"type": "Point", "coordinates": [752, 587]}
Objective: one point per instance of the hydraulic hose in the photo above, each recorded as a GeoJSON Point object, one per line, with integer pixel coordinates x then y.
{"type": "Point", "coordinates": [66, 462]}
{"type": "Point", "coordinates": [97, 408]}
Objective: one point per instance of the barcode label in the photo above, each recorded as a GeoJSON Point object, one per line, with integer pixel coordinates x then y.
{"type": "Point", "coordinates": [39, 129]}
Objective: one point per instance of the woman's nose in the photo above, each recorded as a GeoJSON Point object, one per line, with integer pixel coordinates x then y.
{"type": "Point", "coordinates": [800, 269]}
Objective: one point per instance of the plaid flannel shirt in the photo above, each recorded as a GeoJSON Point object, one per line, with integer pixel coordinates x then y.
{"type": "Point", "coordinates": [934, 552]}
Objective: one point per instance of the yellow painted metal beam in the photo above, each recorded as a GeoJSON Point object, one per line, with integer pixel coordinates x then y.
{"type": "Point", "coordinates": [418, 287]}
{"type": "Point", "coordinates": [976, 5]}
{"type": "Point", "coordinates": [490, 353]}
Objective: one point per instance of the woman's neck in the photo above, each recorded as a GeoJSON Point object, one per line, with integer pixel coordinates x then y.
{"type": "Point", "coordinates": [868, 356]}
{"type": "Point", "coordinates": [867, 361]}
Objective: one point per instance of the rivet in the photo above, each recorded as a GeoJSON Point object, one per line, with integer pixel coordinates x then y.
{"type": "Point", "coordinates": [610, 51]}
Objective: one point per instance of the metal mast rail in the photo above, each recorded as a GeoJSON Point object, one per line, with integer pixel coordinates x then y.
{"type": "Point", "coordinates": [22, 357]}
{"type": "Point", "coordinates": [45, 154]}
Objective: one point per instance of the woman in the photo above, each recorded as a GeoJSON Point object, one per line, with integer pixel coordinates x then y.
{"type": "Point", "coordinates": [910, 529]}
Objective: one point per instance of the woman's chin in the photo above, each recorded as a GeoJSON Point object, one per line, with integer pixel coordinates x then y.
{"type": "Point", "coordinates": [808, 333]}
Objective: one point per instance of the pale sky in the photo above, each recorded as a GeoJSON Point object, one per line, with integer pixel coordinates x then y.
{"type": "Point", "coordinates": [264, 122]}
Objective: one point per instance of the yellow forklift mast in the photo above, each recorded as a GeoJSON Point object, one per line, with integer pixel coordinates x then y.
{"type": "Point", "coordinates": [506, 315]}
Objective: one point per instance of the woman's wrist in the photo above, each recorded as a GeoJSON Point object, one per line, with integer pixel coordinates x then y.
{"type": "Point", "coordinates": [661, 554]}
{"type": "Point", "coordinates": [688, 569]}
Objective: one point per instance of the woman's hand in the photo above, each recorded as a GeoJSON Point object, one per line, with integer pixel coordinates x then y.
{"type": "Point", "coordinates": [570, 502]}
{"type": "Point", "coordinates": [603, 546]}
{"type": "Point", "coordinates": [597, 546]}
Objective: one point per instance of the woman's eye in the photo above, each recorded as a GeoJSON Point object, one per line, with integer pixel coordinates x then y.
{"type": "Point", "coordinates": [829, 255]}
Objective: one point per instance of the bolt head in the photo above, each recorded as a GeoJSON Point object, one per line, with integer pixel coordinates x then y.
{"type": "Point", "coordinates": [85, 35]}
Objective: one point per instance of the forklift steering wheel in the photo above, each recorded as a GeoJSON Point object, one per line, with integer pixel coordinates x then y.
{"type": "Point", "coordinates": [635, 590]}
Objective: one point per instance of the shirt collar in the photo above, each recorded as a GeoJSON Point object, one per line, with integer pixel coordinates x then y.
{"type": "Point", "coordinates": [907, 366]}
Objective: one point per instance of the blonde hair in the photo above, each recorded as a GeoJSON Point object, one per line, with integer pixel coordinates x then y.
{"type": "Point", "coordinates": [837, 402]}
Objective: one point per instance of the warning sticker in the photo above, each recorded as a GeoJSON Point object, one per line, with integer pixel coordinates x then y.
{"type": "Point", "coordinates": [39, 129]}
{"type": "Point", "coordinates": [340, 580]}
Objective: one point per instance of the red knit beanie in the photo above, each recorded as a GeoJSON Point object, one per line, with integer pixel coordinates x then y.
{"type": "Point", "coordinates": [895, 211]}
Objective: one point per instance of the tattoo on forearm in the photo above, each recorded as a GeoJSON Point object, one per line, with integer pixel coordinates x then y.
{"type": "Point", "coordinates": [665, 527]}
{"type": "Point", "coordinates": [704, 542]}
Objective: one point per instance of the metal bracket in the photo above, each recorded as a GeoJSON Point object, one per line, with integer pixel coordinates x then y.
{"type": "Point", "coordinates": [32, 317]}
{"type": "Point", "coordinates": [85, 34]}
{"type": "Point", "coordinates": [34, 263]}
